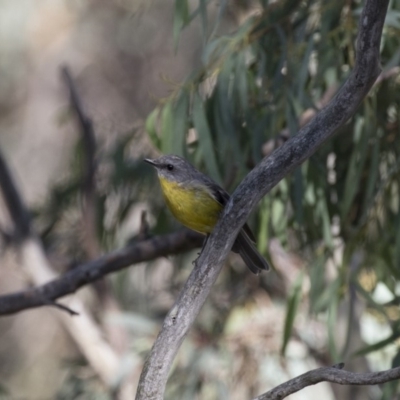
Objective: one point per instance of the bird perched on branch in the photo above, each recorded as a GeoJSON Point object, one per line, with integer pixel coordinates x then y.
{"type": "Point", "coordinates": [197, 201]}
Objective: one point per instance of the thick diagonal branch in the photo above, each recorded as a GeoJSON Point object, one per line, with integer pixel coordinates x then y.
{"type": "Point", "coordinates": [256, 184]}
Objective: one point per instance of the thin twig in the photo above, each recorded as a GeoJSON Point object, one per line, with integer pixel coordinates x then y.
{"type": "Point", "coordinates": [256, 184]}
{"type": "Point", "coordinates": [18, 212]}
{"type": "Point", "coordinates": [91, 271]}
{"type": "Point", "coordinates": [62, 307]}
{"type": "Point", "coordinates": [334, 374]}
{"type": "Point", "coordinates": [89, 167]}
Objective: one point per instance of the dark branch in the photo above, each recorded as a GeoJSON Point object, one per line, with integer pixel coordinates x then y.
{"type": "Point", "coordinates": [91, 244]}
{"type": "Point", "coordinates": [334, 374]}
{"type": "Point", "coordinates": [256, 184]}
{"type": "Point", "coordinates": [62, 307]}
{"type": "Point", "coordinates": [16, 208]}
{"type": "Point", "coordinates": [88, 136]}
{"type": "Point", "coordinates": [149, 249]}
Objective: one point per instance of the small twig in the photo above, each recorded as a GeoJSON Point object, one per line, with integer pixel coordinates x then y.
{"type": "Point", "coordinates": [144, 227]}
{"type": "Point", "coordinates": [16, 208]}
{"type": "Point", "coordinates": [89, 167]}
{"type": "Point", "coordinates": [62, 307]}
{"type": "Point", "coordinates": [91, 271]}
{"type": "Point", "coordinates": [388, 74]}
{"type": "Point", "coordinates": [85, 122]}
{"type": "Point", "coordinates": [334, 374]}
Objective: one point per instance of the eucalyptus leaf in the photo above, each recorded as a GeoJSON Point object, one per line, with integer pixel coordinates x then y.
{"type": "Point", "coordinates": [291, 310]}
{"type": "Point", "coordinates": [205, 138]}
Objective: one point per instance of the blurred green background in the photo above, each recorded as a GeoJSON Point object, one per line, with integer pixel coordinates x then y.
{"type": "Point", "coordinates": [223, 84]}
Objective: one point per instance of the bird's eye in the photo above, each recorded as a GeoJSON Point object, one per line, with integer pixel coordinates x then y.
{"type": "Point", "coordinates": [170, 167]}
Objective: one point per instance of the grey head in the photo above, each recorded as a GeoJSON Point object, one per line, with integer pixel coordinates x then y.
{"type": "Point", "coordinates": [175, 168]}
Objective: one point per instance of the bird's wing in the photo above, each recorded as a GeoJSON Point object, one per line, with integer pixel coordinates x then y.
{"type": "Point", "coordinates": [222, 196]}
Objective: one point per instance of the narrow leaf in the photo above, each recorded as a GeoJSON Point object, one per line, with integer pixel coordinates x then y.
{"type": "Point", "coordinates": [167, 129]}
{"type": "Point", "coordinates": [291, 310]}
{"type": "Point", "coordinates": [181, 124]}
{"type": "Point", "coordinates": [377, 346]}
{"type": "Point", "coordinates": [151, 127]}
{"type": "Point", "coordinates": [205, 138]}
{"type": "Point", "coordinates": [181, 18]}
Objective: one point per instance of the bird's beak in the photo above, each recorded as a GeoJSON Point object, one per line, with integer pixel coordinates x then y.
{"type": "Point", "coordinates": [150, 161]}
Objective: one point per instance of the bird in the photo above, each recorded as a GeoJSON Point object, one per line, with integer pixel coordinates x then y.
{"type": "Point", "coordinates": [197, 202]}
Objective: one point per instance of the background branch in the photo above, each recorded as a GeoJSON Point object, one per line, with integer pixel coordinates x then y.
{"type": "Point", "coordinates": [334, 374]}
{"type": "Point", "coordinates": [18, 212]}
{"type": "Point", "coordinates": [91, 244]}
{"type": "Point", "coordinates": [91, 271]}
{"type": "Point", "coordinates": [84, 330]}
{"type": "Point", "coordinates": [256, 184]}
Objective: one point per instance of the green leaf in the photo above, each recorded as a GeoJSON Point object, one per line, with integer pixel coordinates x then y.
{"type": "Point", "coordinates": [291, 116]}
{"type": "Point", "coordinates": [151, 127]}
{"type": "Point", "coordinates": [318, 283]}
{"type": "Point", "coordinates": [265, 215]}
{"type": "Point", "coordinates": [205, 139]}
{"type": "Point", "coordinates": [167, 129]}
{"type": "Point", "coordinates": [397, 242]}
{"type": "Point", "coordinates": [303, 72]}
{"type": "Point", "coordinates": [332, 321]}
{"type": "Point", "coordinates": [278, 214]}
{"type": "Point", "coordinates": [373, 174]}
{"type": "Point", "coordinates": [370, 301]}
{"type": "Point", "coordinates": [221, 10]}
{"type": "Point", "coordinates": [181, 18]}
{"type": "Point", "coordinates": [323, 213]}
{"type": "Point", "coordinates": [241, 81]}
{"type": "Point", "coordinates": [377, 346]}
{"type": "Point", "coordinates": [181, 124]}
{"type": "Point", "coordinates": [213, 48]}
{"type": "Point", "coordinates": [356, 166]}
{"type": "Point", "coordinates": [298, 194]}
{"type": "Point", "coordinates": [204, 19]}
{"type": "Point", "coordinates": [291, 310]}
{"type": "Point", "coordinates": [227, 135]}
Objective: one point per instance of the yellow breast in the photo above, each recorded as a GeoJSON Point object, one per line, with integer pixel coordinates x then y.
{"type": "Point", "coordinates": [193, 206]}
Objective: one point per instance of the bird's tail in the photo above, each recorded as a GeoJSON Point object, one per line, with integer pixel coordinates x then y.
{"type": "Point", "coordinates": [251, 257]}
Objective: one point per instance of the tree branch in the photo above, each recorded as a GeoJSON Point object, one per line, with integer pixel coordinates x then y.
{"type": "Point", "coordinates": [91, 271]}
{"type": "Point", "coordinates": [91, 243]}
{"type": "Point", "coordinates": [256, 184]}
{"type": "Point", "coordinates": [334, 374]}
{"type": "Point", "coordinates": [88, 136]}
{"type": "Point", "coordinates": [84, 330]}
{"type": "Point", "coordinates": [18, 212]}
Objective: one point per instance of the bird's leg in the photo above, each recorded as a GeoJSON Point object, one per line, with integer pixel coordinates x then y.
{"type": "Point", "coordinates": [202, 248]}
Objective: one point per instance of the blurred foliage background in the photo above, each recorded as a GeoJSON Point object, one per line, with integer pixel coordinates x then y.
{"type": "Point", "coordinates": [222, 84]}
